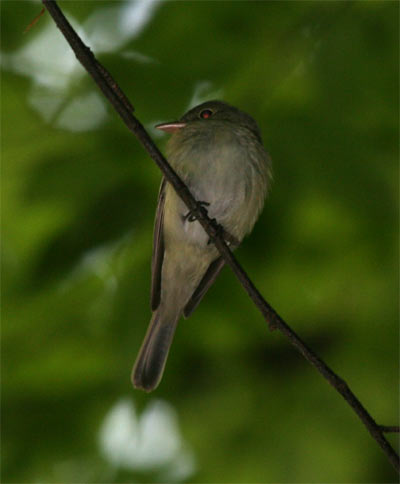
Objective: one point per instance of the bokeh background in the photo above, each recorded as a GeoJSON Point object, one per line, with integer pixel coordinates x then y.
{"type": "Point", "coordinates": [237, 403]}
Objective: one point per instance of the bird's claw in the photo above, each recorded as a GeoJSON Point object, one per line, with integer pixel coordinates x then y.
{"type": "Point", "coordinates": [190, 217]}
{"type": "Point", "coordinates": [229, 239]}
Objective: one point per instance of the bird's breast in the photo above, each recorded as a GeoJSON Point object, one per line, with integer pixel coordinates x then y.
{"type": "Point", "coordinates": [218, 167]}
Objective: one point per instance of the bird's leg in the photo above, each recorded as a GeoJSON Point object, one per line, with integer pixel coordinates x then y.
{"type": "Point", "coordinates": [229, 239]}
{"type": "Point", "coordinates": [190, 217]}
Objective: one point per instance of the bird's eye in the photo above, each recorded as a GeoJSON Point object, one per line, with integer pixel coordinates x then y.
{"type": "Point", "coordinates": [206, 113]}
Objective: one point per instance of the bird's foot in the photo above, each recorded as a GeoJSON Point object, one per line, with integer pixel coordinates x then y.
{"type": "Point", "coordinates": [190, 216]}
{"type": "Point", "coordinates": [220, 231]}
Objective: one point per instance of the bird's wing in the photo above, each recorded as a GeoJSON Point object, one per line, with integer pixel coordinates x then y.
{"type": "Point", "coordinates": [158, 249]}
{"type": "Point", "coordinates": [209, 277]}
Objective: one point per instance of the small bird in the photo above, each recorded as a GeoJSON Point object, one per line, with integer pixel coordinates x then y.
{"type": "Point", "coordinates": [217, 151]}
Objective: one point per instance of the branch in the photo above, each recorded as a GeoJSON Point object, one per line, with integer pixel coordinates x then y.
{"type": "Point", "coordinates": [124, 108]}
{"type": "Point", "coordinates": [390, 428]}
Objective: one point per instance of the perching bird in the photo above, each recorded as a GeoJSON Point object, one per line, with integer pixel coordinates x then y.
{"type": "Point", "coordinates": [218, 152]}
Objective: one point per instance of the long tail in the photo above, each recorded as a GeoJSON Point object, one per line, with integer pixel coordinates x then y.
{"type": "Point", "coordinates": [150, 363]}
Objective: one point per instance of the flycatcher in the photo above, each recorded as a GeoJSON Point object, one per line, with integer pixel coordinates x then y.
{"type": "Point", "coordinates": [217, 151]}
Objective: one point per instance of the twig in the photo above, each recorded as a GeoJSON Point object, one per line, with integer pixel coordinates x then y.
{"type": "Point", "coordinates": [123, 107]}
{"type": "Point", "coordinates": [390, 428]}
{"type": "Point", "coordinates": [34, 21]}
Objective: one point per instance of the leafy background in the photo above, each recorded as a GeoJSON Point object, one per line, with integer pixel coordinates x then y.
{"type": "Point", "coordinates": [237, 403]}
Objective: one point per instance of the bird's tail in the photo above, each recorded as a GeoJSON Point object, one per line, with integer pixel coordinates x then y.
{"type": "Point", "coordinates": [150, 363]}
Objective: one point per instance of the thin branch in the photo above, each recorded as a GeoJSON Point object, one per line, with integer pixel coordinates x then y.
{"type": "Point", "coordinates": [390, 428]}
{"type": "Point", "coordinates": [34, 21]}
{"type": "Point", "coordinates": [123, 107]}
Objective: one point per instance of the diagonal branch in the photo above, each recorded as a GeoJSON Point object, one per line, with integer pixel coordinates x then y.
{"type": "Point", "coordinates": [124, 108]}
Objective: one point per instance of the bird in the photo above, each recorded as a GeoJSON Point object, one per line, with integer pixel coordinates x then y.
{"type": "Point", "coordinates": [218, 152]}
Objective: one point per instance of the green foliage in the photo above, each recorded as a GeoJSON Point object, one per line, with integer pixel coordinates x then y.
{"type": "Point", "coordinates": [79, 194]}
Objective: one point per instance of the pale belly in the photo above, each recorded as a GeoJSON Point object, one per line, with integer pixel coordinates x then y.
{"type": "Point", "coordinates": [230, 200]}
{"type": "Point", "coordinates": [224, 169]}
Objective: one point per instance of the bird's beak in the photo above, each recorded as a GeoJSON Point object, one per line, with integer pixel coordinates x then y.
{"type": "Point", "coordinates": [171, 127]}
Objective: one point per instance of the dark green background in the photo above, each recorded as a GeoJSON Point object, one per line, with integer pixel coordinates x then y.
{"type": "Point", "coordinates": [321, 78]}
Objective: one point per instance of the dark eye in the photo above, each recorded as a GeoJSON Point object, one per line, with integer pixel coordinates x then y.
{"type": "Point", "coordinates": [206, 113]}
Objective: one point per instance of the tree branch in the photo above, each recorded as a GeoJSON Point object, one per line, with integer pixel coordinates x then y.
{"type": "Point", "coordinates": [390, 428]}
{"type": "Point", "coordinates": [124, 108]}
